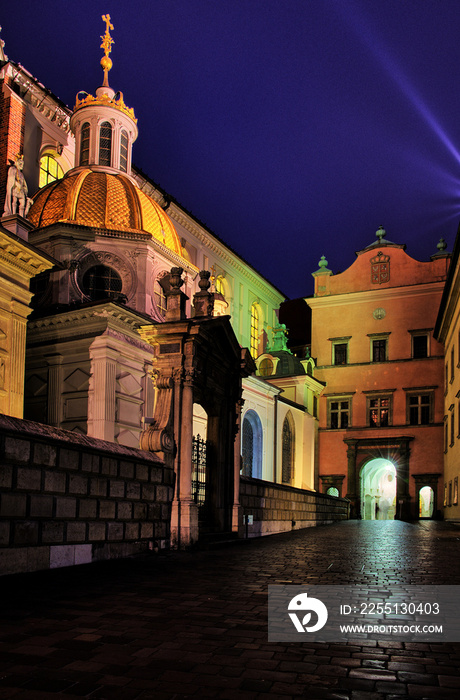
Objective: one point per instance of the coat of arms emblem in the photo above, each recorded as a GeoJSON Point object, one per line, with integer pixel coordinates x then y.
{"type": "Point", "coordinates": [380, 268]}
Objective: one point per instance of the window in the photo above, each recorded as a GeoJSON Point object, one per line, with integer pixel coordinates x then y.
{"type": "Point", "coordinates": [219, 286]}
{"type": "Point", "coordinates": [379, 411]}
{"type": "Point", "coordinates": [251, 445]}
{"type": "Point", "coordinates": [105, 144]}
{"type": "Point", "coordinates": [50, 170]}
{"type": "Point", "coordinates": [446, 434]}
{"type": "Point", "coordinates": [339, 413]}
{"type": "Point", "coordinates": [315, 406]}
{"type": "Point", "coordinates": [452, 355]}
{"type": "Point", "coordinates": [266, 367]}
{"type": "Point", "coordinates": [419, 346]}
{"type": "Point", "coordinates": [160, 297]}
{"type": "Point", "coordinates": [84, 145]}
{"type": "Point", "coordinates": [254, 330]}
{"type": "Point", "coordinates": [340, 352]}
{"type": "Point", "coordinates": [333, 491]}
{"type": "Point", "coordinates": [100, 282]}
{"type": "Point", "coordinates": [419, 408]}
{"type": "Point", "coordinates": [379, 350]}
{"type": "Point", "coordinates": [124, 151]}
{"type": "Point", "coordinates": [452, 425]}
{"type": "Point", "coordinates": [287, 457]}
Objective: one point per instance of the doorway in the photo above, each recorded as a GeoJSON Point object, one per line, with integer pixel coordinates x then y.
{"type": "Point", "coordinates": [378, 490]}
{"type": "Point", "coordinates": [426, 502]}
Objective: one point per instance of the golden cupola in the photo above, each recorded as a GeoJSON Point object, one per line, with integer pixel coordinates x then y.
{"type": "Point", "coordinates": [99, 191]}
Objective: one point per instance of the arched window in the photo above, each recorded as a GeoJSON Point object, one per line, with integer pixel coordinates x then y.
{"type": "Point", "coordinates": [100, 282]}
{"type": "Point", "coordinates": [124, 151]}
{"type": "Point", "coordinates": [50, 170]}
{"type": "Point", "coordinates": [287, 456]}
{"type": "Point", "coordinates": [105, 144]}
{"type": "Point", "coordinates": [254, 330]}
{"type": "Point", "coordinates": [219, 285]}
{"type": "Point", "coordinates": [84, 144]}
{"type": "Point", "coordinates": [251, 445]}
{"type": "Point", "coordinates": [332, 491]}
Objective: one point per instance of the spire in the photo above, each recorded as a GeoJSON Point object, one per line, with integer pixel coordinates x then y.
{"type": "Point", "coordinates": [107, 42]}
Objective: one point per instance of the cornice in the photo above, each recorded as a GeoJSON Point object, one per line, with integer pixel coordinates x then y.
{"type": "Point", "coordinates": [87, 322]}
{"type": "Point", "coordinates": [22, 257]}
{"type": "Point", "coordinates": [376, 296]}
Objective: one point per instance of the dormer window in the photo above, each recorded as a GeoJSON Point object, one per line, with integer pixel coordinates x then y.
{"type": "Point", "coordinates": [84, 145]}
{"type": "Point", "coordinates": [105, 144]}
{"type": "Point", "coordinates": [124, 151]}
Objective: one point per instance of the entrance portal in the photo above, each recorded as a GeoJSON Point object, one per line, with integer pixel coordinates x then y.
{"type": "Point", "coordinates": [378, 490]}
{"type": "Point", "coordinates": [426, 502]}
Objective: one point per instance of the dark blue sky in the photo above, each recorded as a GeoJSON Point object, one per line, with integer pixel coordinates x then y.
{"type": "Point", "coordinates": [292, 129]}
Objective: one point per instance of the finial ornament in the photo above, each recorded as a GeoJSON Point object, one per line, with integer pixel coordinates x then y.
{"type": "Point", "coordinates": [380, 233]}
{"type": "Point", "coordinates": [323, 262]}
{"type": "Point", "coordinates": [107, 42]}
{"type": "Point", "coordinates": [442, 245]}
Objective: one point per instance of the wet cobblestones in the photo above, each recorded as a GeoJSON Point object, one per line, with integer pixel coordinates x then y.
{"type": "Point", "coordinates": [195, 624]}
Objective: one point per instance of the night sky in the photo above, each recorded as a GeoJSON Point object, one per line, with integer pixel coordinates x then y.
{"type": "Point", "coordinates": [292, 129]}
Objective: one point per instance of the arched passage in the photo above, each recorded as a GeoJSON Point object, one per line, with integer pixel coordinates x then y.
{"type": "Point", "coordinates": [426, 502]}
{"type": "Point", "coordinates": [378, 490]}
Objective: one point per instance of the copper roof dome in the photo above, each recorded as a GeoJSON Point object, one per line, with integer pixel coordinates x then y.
{"type": "Point", "coordinates": [102, 200]}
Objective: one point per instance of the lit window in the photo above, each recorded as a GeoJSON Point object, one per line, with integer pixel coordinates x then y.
{"type": "Point", "coordinates": [340, 353]}
{"type": "Point", "coordinates": [287, 457]}
{"type": "Point", "coordinates": [419, 346]}
{"type": "Point", "coordinates": [101, 282]}
{"type": "Point", "coordinates": [105, 144]}
{"type": "Point", "coordinates": [379, 350]}
{"type": "Point", "coordinates": [338, 413]}
{"type": "Point", "coordinates": [266, 367]}
{"type": "Point", "coordinates": [378, 411]}
{"type": "Point", "coordinates": [254, 331]}
{"type": "Point", "coordinates": [124, 151]}
{"type": "Point", "coordinates": [332, 491]}
{"type": "Point", "coordinates": [50, 170]}
{"type": "Point", "coordinates": [219, 286]}
{"type": "Point", "coordinates": [84, 145]}
{"type": "Point", "coordinates": [419, 409]}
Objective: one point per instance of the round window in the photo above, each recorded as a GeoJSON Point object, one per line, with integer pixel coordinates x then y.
{"type": "Point", "coordinates": [100, 282]}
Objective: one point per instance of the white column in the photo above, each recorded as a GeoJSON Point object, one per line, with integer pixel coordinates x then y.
{"type": "Point", "coordinates": [102, 385]}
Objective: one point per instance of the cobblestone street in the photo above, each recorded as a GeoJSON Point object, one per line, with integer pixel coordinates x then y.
{"type": "Point", "coordinates": [195, 624]}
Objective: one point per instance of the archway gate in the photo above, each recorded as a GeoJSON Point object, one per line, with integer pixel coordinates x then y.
{"type": "Point", "coordinates": [197, 360]}
{"type": "Point", "coordinates": [393, 449]}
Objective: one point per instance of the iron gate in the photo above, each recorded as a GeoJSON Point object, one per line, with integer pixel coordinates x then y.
{"type": "Point", "coordinates": [199, 470]}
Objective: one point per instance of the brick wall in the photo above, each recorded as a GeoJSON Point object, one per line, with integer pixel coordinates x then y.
{"type": "Point", "coordinates": [12, 127]}
{"type": "Point", "coordinates": [280, 508]}
{"type": "Point", "coordinates": [68, 499]}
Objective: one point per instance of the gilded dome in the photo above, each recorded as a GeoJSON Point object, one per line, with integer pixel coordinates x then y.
{"type": "Point", "coordinates": [102, 200]}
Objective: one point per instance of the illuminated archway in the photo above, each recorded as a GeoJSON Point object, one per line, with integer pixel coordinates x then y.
{"type": "Point", "coordinates": [426, 502]}
{"type": "Point", "coordinates": [378, 490]}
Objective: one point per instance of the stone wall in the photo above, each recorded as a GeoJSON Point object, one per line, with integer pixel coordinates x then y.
{"type": "Point", "coordinates": [68, 499]}
{"type": "Point", "coordinates": [280, 508]}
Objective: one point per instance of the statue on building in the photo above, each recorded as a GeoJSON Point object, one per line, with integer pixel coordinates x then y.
{"type": "Point", "coordinates": [280, 334]}
{"type": "Point", "coordinates": [17, 201]}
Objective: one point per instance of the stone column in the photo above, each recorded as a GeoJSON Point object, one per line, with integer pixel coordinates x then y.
{"type": "Point", "coordinates": [402, 484]}
{"type": "Point", "coordinates": [184, 517]}
{"type": "Point", "coordinates": [17, 363]}
{"type": "Point", "coordinates": [101, 404]}
{"type": "Point", "coordinates": [54, 389]}
{"type": "Point", "coordinates": [352, 494]}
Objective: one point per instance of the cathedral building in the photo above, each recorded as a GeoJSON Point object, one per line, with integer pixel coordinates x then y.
{"type": "Point", "coordinates": [113, 236]}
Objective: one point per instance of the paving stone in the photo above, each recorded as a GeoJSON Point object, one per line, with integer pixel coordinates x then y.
{"type": "Point", "coordinates": [193, 624]}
